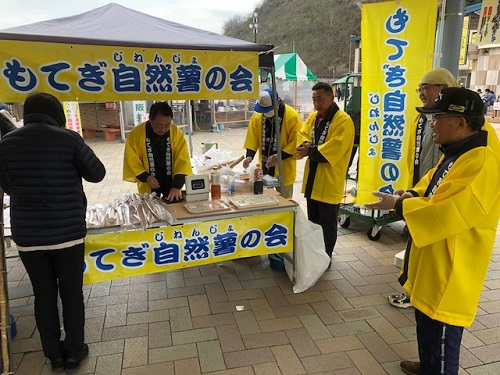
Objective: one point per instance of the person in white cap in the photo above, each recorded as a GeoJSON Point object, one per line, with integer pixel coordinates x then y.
{"type": "Point", "coordinates": [452, 216]}
{"type": "Point", "coordinates": [261, 136]}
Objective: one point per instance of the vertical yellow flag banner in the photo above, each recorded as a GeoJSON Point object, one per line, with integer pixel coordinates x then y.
{"type": "Point", "coordinates": [462, 58]}
{"type": "Point", "coordinates": [398, 45]}
{"type": "Point", "coordinates": [72, 112]}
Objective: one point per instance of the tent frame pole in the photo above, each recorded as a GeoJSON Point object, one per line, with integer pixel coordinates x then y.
{"type": "Point", "coordinates": [276, 125]}
{"type": "Point", "coordinates": [5, 338]}
{"type": "Point", "coordinates": [190, 127]}
{"type": "Point", "coordinates": [122, 121]}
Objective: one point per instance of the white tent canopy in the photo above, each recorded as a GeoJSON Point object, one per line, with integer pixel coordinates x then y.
{"type": "Point", "coordinates": [290, 67]}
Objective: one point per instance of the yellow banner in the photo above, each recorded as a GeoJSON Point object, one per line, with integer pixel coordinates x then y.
{"type": "Point", "coordinates": [489, 25]}
{"type": "Point", "coordinates": [72, 112]}
{"type": "Point", "coordinates": [116, 255]}
{"type": "Point", "coordinates": [462, 58]}
{"type": "Point", "coordinates": [73, 72]}
{"type": "Point", "coordinates": [398, 43]}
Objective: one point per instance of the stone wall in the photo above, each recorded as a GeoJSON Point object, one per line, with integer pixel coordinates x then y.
{"type": "Point", "coordinates": [96, 114]}
{"type": "Point", "coordinates": [485, 73]}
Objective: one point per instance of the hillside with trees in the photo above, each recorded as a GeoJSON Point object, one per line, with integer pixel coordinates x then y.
{"type": "Point", "coordinates": [318, 30]}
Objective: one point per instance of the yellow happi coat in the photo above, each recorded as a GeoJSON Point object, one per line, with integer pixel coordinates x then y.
{"type": "Point", "coordinates": [288, 141]}
{"type": "Point", "coordinates": [410, 156]}
{"type": "Point", "coordinates": [136, 162]}
{"type": "Point", "coordinates": [453, 234]}
{"type": "Point", "coordinates": [329, 181]}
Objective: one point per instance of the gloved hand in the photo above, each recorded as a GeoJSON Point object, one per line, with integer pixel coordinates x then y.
{"type": "Point", "coordinates": [272, 161]}
{"type": "Point", "coordinates": [247, 162]}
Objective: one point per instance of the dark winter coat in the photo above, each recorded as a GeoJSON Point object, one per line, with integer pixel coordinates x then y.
{"type": "Point", "coordinates": [41, 168]}
{"type": "Point", "coordinates": [5, 125]}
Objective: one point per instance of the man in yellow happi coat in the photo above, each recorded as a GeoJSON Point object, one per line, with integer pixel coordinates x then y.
{"type": "Point", "coordinates": [261, 136]}
{"type": "Point", "coordinates": [326, 139]}
{"type": "Point", "coordinates": [452, 216]}
{"type": "Point", "coordinates": [423, 153]}
{"type": "Point", "coordinates": [156, 155]}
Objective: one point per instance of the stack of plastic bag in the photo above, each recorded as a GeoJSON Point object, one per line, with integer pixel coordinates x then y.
{"type": "Point", "coordinates": [213, 158]}
{"type": "Point", "coordinates": [131, 211]}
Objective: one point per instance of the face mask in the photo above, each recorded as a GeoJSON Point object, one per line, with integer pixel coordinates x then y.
{"type": "Point", "coordinates": [269, 114]}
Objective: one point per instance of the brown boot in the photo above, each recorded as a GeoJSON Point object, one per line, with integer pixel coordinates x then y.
{"type": "Point", "coordinates": [410, 367]}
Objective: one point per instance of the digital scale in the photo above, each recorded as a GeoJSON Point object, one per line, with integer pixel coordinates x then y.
{"type": "Point", "coordinates": [196, 188]}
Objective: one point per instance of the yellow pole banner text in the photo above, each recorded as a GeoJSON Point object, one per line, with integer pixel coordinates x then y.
{"type": "Point", "coordinates": [72, 112]}
{"type": "Point", "coordinates": [489, 24]}
{"type": "Point", "coordinates": [74, 72]}
{"type": "Point", "coordinates": [462, 58]}
{"type": "Point", "coordinates": [110, 256]}
{"type": "Point", "coordinates": [398, 43]}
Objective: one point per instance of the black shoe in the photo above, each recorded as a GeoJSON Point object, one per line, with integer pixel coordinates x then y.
{"type": "Point", "coordinates": [57, 365]}
{"type": "Point", "coordinates": [73, 364]}
{"type": "Point", "coordinates": [410, 367]}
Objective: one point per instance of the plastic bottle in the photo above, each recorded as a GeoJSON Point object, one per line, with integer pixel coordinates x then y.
{"type": "Point", "coordinates": [215, 186]}
{"type": "Point", "coordinates": [258, 183]}
{"type": "Point", "coordinates": [232, 183]}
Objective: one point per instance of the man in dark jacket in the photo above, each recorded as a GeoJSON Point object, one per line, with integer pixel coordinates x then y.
{"type": "Point", "coordinates": [489, 99]}
{"type": "Point", "coordinates": [41, 167]}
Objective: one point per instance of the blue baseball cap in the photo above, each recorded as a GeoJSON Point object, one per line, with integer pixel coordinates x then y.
{"type": "Point", "coordinates": [265, 102]}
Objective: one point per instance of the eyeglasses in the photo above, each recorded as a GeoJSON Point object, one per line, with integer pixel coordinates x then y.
{"type": "Point", "coordinates": [444, 115]}
{"type": "Point", "coordinates": [423, 87]}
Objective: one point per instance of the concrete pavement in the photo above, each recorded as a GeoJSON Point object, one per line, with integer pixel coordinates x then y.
{"type": "Point", "coordinates": [185, 322]}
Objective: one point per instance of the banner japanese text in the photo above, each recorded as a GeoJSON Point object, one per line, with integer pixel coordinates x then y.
{"type": "Point", "coordinates": [131, 253]}
{"type": "Point", "coordinates": [398, 43]}
{"type": "Point", "coordinates": [489, 24]}
{"type": "Point", "coordinates": [73, 72]}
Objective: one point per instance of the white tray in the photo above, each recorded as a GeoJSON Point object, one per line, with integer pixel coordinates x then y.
{"type": "Point", "coordinates": [256, 200]}
{"type": "Point", "coordinates": [206, 206]}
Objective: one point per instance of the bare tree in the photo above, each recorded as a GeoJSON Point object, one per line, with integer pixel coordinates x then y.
{"type": "Point", "coordinates": [233, 24]}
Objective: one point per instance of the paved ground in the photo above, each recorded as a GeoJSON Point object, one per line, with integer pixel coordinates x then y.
{"type": "Point", "coordinates": [185, 322]}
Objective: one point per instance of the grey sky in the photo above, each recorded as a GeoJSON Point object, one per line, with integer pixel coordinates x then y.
{"type": "Point", "coordinates": [207, 15]}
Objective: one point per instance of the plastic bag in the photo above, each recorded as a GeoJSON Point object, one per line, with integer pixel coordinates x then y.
{"type": "Point", "coordinates": [312, 259]}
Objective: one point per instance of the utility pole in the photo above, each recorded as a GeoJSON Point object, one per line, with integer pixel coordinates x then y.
{"type": "Point", "coordinates": [350, 48]}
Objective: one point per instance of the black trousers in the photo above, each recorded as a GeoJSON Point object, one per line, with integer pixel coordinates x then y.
{"type": "Point", "coordinates": [438, 346]}
{"type": "Point", "coordinates": [50, 272]}
{"type": "Point", "coordinates": [324, 214]}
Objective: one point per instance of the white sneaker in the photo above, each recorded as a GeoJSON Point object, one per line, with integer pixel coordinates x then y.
{"type": "Point", "coordinates": [399, 300]}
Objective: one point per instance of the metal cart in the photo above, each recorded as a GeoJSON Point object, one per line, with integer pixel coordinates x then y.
{"type": "Point", "coordinates": [377, 218]}
{"type": "Point", "coordinates": [347, 209]}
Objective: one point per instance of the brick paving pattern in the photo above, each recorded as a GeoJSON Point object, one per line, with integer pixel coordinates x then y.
{"type": "Point", "coordinates": [185, 322]}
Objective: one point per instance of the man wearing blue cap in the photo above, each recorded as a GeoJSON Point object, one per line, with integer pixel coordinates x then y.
{"type": "Point", "coordinates": [261, 136]}
{"type": "Point", "coordinates": [452, 216]}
